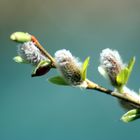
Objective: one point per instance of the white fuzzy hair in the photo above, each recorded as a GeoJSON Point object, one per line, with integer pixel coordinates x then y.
{"type": "Point", "coordinates": [110, 64]}
{"type": "Point", "coordinates": [64, 56]}
{"type": "Point", "coordinates": [30, 53]}
{"type": "Point", "coordinates": [69, 66]}
{"type": "Point", "coordinates": [125, 104]}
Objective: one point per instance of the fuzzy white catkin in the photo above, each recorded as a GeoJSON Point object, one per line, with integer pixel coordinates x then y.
{"type": "Point", "coordinates": [30, 53]}
{"type": "Point", "coordinates": [69, 66]}
{"type": "Point", "coordinates": [126, 105]}
{"type": "Point", "coordinates": [111, 64]}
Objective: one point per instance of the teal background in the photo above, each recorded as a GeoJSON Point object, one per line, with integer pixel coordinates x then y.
{"type": "Point", "coordinates": [32, 108]}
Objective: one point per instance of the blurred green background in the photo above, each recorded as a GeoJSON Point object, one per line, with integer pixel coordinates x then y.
{"type": "Point", "coordinates": [32, 108]}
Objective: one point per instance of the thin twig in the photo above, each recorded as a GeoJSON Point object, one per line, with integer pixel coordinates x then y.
{"type": "Point", "coordinates": [125, 96]}
{"type": "Point", "coordinates": [40, 47]}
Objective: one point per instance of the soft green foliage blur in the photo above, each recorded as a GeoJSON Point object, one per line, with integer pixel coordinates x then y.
{"type": "Point", "coordinates": [123, 76]}
{"type": "Point", "coordinates": [34, 109]}
{"type": "Point", "coordinates": [131, 115]}
{"type": "Point", "coordinates": [84, 68]}
{"type": "Point", "coordinates": [20, 37]}
{"type": "Point", "coordinates": [58, 80]}
{"type": "Point", "coordinates": [19, 59]}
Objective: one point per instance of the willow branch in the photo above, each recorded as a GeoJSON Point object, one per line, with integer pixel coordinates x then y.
{"type": "Point", "coordinates": [93, 86]}
{"type": "Point", "coordinates": [41, 48]}
{"type": "Point", "coordinates": [135, 102]}
{"type": "Point", "coordinates": [125, 96]}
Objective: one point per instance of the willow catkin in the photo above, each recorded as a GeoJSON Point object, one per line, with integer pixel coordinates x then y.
{"type": "Point", "coordinates": [30, 53]}
{"type": "Point", "coordinates": [69, 66]}
{"type": "Point", "coordinates": [112, 64]}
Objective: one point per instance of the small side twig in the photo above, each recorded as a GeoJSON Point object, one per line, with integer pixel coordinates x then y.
{"type": "Point", "coordinates": [40, 47]}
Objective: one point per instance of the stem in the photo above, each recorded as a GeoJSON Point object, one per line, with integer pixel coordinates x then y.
{"type": "Point", "coordinates": [124, 96]}
{"type": "Point", "coordinates": [40, 47]}
{"type": "Point", "coordinates": [45, 52]}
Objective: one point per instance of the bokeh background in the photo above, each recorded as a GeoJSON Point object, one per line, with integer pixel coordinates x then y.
{"type": "Point", "coordinates": [34, 109]}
